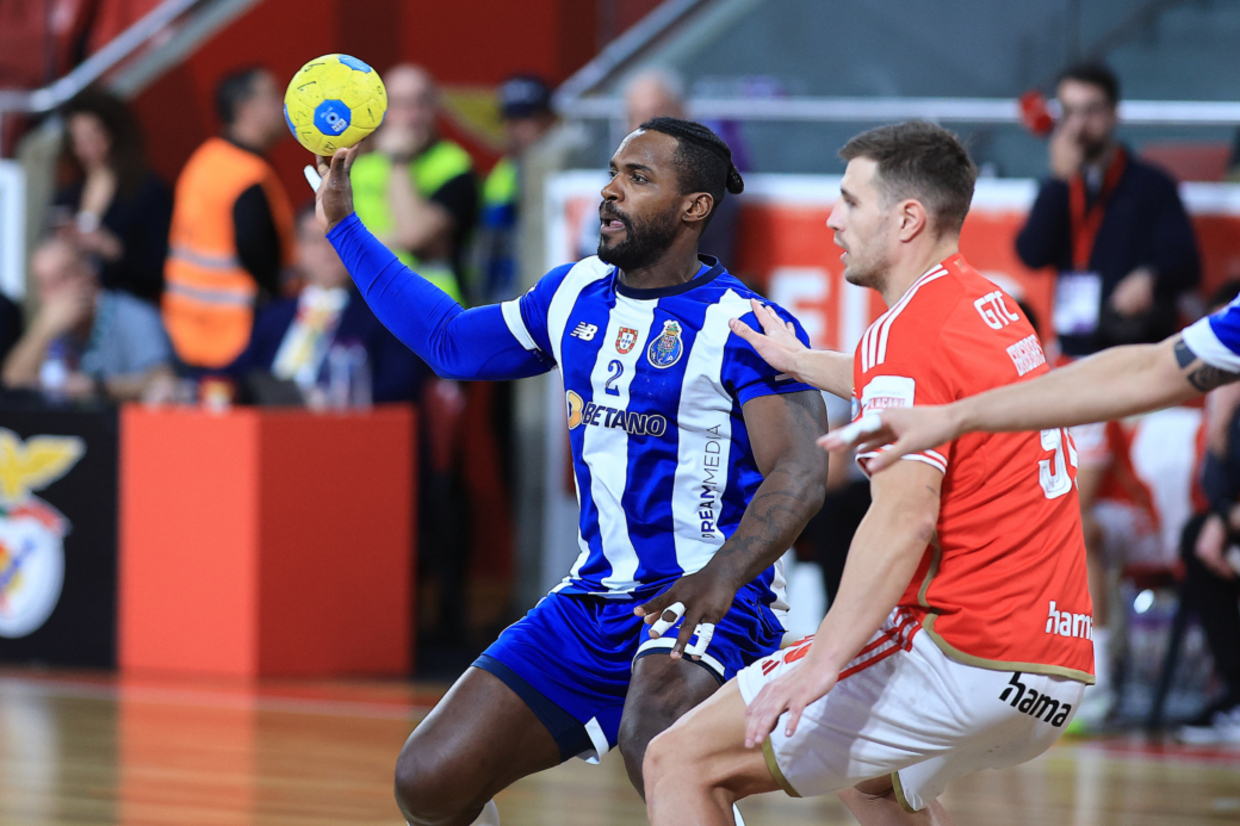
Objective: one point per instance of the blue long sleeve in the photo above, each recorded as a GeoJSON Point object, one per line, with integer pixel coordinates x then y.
{"type": "Point", "coordinates": [456, 343]}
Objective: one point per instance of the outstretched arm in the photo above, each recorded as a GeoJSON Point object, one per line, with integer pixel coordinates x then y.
{"type": "Point", "coordinates": [1112, 384]}
{"type": "Point", "coordinates": [782, 429]}
{"type": "Point", "coordinates": [456, 343]}
{"type": "Point", "coordinates": [778, 344]}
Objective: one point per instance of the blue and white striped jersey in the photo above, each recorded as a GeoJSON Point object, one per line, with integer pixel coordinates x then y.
{"type": "Point", "coordinates": [1215, 339]}
{"type": "Point", "coordinates": [654, 381]}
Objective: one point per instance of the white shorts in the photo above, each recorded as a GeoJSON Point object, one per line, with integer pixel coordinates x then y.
{"type": "Point", "coordinates": [903, 708]}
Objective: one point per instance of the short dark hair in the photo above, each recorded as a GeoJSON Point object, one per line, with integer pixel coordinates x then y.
{"type": "Point", "coordinates": [234, 89]}
{"type": "Point", "coordinates": [920, 160]}
{"type": "Point", "coordinates": [1095, 73]}
{"type": "Point", "coordinates": [703, 160]}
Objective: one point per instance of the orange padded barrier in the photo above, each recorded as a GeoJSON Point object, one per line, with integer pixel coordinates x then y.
{"type": "Point", "coordinates": [267, 542]}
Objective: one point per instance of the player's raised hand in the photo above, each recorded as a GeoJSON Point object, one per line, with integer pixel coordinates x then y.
{"type": "Point", "coordinates": [333, 199]}
{"type": "Point", "coordinates": [903, 429]}
{"type": "Point", "coordinates": [790, 692]}
{"type": "Point", "coordinates": [702, 599]}
{"type": "Point", "coordinates": [777, 343]}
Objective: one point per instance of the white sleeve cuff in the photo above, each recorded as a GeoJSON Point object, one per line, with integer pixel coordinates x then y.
{"type": "Point", "coordinates": [930, 457]}
{"type": "Point", "coordinates": [1205, 345]}
{"type": "Point", "coordinates": [516, 324]}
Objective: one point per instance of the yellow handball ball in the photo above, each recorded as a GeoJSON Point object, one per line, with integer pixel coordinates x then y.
{"type": "Point", "coordinates": [333, 102]}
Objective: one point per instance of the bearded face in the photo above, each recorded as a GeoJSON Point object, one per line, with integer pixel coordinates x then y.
{"type": "Point", "coordinates": [631, 244]}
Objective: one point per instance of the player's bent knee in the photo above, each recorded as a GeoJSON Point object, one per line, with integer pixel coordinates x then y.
{"type": "Point", "coordinates": [667, 755]}
{"type": "Point", "coordinates": [429, 790]}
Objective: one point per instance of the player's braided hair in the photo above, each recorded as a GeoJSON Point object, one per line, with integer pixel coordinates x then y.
{"type": "Point", "coordinates": [703, 160]}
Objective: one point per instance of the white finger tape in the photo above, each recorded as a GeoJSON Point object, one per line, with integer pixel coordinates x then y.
{"type": "Point", "coordinates": [705, 631]}
{"type": "Point", "coordinates": [313, 177]}
{"type": "Point", "coordinates": [867, 425]}
{"type": "Point", "coordinates": [661, 625]}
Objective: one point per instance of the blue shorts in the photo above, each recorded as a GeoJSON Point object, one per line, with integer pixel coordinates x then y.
{"type": "Point", "coordinates": [571, 659]}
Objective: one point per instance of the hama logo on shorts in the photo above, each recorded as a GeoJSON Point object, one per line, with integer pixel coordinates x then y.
{"type": "Point", "coordinates": [1041, 706]}
{"type": "Point", "coordinates": [626, 341]}
{"type": "Point", "coordinates": [667, 349]}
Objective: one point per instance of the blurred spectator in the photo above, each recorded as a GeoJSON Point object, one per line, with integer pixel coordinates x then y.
{"type": "Point", "coordinates": [525, 107]}
{"type": "Point", "coordinates": [417, 191]}
{"type": "Point", "coordinates": [292, 337]}
{"type": "Point", "coordinates": [658, 93]}
{"type": "Point", "coordinates": [1111, 225]}
{"type": "Point", "coordinates": [654, 93]}
{"type": "Point", "coordinates": [86, 341]}
{"type": "Point", "coordinates": [119, 211]}
{"type": "Point", "coordinates": [10, 325]}
{"type": "Point", "coordinates": [1114, 229]}
{"type": "Point", "coordinates": [232, 227]}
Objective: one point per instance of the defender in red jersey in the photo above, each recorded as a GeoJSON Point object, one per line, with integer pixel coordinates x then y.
{"type": "Point", "coordinates": [960, 637]}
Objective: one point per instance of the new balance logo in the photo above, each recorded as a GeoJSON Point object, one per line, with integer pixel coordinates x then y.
{"type": "Point", "coordinates": [585, 332]}
{"type": "Point", "coordinates": [1066, 624]}
{"type": "Point", "coordinates": [1041, 706]}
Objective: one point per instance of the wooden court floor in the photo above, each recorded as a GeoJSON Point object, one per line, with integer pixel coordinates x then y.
{"type": "Point", "coordinates": [91, 749]}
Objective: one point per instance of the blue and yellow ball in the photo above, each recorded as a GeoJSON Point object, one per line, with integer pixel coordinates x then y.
{"type": "Point", "coordinates": [333, 102]}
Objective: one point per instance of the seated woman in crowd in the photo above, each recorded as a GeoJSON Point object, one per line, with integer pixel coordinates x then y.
{"type": "Point", "coordinates": [117, 211]}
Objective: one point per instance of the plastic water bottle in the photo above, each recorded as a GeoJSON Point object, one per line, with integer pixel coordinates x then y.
{"type": "Point", "coordinates": [348, 378]}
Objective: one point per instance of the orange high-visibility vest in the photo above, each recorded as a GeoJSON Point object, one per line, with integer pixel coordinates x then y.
{"type": "Point", "coordinates": [208, 303]}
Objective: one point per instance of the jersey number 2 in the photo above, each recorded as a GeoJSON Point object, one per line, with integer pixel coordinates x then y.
{"type": "Point", "coordinates": [1053, 472]}
{"type": "Point", "coordinates": [617, 370]}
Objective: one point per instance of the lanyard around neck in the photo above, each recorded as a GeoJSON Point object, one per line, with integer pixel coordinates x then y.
{"type": "Point", "coordinates": [1087, 220]}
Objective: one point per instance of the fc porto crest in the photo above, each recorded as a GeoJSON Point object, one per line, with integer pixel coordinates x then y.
{"type": "Point", "coordinates": [667, 348]}
{"type": "Point", "coordinates": [626, 341]}
{"type": "Point", "coordinates": [32, 556]}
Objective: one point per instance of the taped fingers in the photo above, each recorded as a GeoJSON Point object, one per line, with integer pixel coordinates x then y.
{"type": "Point", "coordinates": [675, 611]}
{"type": "Point", "coordinates": [705, 632]}
{"type": "Point", "coordinates": [313, 177]}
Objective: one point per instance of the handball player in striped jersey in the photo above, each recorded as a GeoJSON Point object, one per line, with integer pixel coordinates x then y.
{"type": "Point", "coordinates": [695, 466]}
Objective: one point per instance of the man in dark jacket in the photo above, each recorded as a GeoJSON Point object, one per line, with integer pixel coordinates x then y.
{"type": "Point", "coordinates": [1112, 226]}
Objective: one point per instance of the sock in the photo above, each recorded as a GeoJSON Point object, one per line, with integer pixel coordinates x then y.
{"type": "Point", "coordinates": [1102, 662]}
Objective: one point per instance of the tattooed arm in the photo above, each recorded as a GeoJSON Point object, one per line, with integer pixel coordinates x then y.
{"type": "Point", "coordinates": [1118, 382]}
{"type": "Point", "coordinates": [782, 431]}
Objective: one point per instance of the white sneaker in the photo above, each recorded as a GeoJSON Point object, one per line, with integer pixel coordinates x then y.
{"type": "Point", "coordinates": [1224, 728]}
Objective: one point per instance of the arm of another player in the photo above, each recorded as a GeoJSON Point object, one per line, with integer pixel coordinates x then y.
{"type": "Point", "coordinates": [882, 559]}
{"type": "Point", "coordinates": [782, 429]}
{"type": "Point", "coordinates": [778, 344]}
{"type": "Point", "coordinates": [456, 343]}
{"type": "Point", "coordinates": [1118, 382]}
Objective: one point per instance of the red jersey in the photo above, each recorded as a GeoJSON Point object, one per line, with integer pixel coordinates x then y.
{"type": "Point", "coordinates": [1004, 584]}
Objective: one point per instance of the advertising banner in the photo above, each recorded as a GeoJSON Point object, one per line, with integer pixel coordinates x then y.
{"type": "Point", "coordinates": [58, 507]}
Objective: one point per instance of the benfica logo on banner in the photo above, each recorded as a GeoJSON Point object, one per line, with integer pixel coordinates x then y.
{"type": "Point", "coordinates": [32, 531]}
